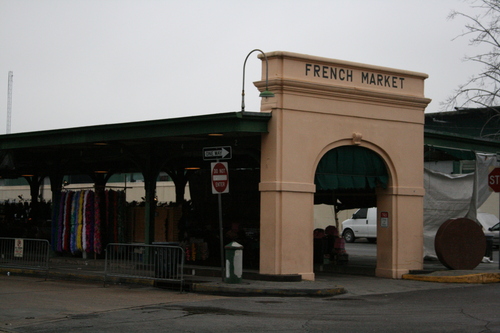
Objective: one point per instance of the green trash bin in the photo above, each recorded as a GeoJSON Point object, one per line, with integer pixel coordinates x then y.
{"type": "Point", "coordinates": [234, 262]}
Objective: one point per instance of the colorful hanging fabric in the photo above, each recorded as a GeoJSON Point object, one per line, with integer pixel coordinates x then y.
{"type": "Point", "coordinates": [79, 224]}
{"type": "Point", "coordinates": [89, 222]}
{"type": "Point", "coordinates": [67, 222]}
{"type": "Point", "coordinates": [84, 221]}
{"type": "Point", "coordinates": [187, 251]}
{"type": "Point", "coordinates": [60, 221]}
{"type": "Point", "coordinates": [63, 221]}
{"type": "Point", "coordinates": [97, 223]}
{"type": "Point", "coordinates": [106, 235]}
{"type": "Point", "coordinates": [193, 252]}
{"type": "Point", "coordinates": [74, 222]}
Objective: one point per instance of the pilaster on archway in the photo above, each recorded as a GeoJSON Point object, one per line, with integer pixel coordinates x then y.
{"type": "Point", "coordinates": [320, 102]}
{"type": "Point", "coordinates": [400, 243]}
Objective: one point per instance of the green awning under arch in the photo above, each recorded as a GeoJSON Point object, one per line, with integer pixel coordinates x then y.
{"type": "Point", "coordinates": [350, 167]}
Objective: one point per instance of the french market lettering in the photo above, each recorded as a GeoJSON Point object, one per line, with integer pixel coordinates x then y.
{"type": "Point", "coordinates": [348, 75]}
{"type": "Point", "coordinates": [382, 80]}
{"type": "Point", "coordinates": [328, 72]}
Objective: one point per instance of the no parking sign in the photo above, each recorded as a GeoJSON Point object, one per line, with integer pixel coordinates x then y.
{"type": "Point", "coordinates": [384, 219]}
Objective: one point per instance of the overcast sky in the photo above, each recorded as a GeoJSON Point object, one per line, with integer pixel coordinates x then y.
{"type": "Point", "coordinates": [89, 62]}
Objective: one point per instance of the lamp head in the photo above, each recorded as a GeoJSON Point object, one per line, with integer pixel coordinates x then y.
{"type": "Point", "coordinates": [266, 93]}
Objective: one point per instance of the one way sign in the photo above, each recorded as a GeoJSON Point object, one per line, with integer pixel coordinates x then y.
{"type": "Point", "coordinates": [217, 153]}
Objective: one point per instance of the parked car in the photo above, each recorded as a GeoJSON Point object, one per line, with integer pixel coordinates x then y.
{"type": "Point", "coordinates": [494, 232]}
{"type": "Point", "coordinates": [363, 224]}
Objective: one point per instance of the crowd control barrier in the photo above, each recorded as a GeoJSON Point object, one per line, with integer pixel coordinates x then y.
{"type": "Point", "coordinates": [155, 262]}
{"type": "Point", "coordinates": [25, 253]}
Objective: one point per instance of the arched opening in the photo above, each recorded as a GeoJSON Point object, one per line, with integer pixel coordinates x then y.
{"type": "Point", "coordinates": [346, 180]}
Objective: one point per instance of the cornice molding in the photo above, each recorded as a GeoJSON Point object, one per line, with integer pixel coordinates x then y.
{"type": "Point", "coordinates": [310, 89]}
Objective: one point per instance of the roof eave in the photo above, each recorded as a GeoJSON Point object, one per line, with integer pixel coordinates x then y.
{"type": "Point", "coordinates": [231, 122]}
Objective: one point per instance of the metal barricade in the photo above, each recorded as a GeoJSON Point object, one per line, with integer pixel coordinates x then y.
{"type": "Point", "coordinates": [25, 253]}
{"type": "Point", "coordinates": [155, 262]}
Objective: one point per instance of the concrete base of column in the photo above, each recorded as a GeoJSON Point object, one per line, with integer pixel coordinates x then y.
{"type": "Point", "coordinates": [391, 273]}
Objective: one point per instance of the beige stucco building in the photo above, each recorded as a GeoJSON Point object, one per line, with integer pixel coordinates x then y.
{"type": "Point", "coordinates": [319, 105]}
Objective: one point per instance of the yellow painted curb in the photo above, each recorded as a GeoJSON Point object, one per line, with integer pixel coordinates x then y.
{"type": "Point", "coordinates": [470, 278]}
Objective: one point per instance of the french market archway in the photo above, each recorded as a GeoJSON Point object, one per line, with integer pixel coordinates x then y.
{"type": "Point", "coordinates": [348, 177]}
{"type": "Point", "coordinates": [322, 104]}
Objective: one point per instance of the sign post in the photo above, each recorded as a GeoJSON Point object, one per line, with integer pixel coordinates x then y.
{"type": "Point", "coordinates": [220, 184]}
{"type": "Point", "coordinates": [494, 183]}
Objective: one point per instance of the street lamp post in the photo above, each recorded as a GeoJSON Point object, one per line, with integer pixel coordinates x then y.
{"type": "Point", "coordinates": [266, 93]}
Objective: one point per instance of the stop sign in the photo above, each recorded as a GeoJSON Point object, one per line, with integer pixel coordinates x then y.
{"type": "Point", "coordinates": [220, 178]}
{"type": "Point", "coordinates": [494, 180]}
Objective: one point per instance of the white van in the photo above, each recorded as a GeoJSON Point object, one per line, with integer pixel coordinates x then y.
{"type": "Point", "coordinates": [363, 224]}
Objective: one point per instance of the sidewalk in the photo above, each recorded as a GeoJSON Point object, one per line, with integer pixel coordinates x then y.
{"type": "Point", "coordinates": [355, 278]}
{"type": "Point", "coordinates": [358, 277]}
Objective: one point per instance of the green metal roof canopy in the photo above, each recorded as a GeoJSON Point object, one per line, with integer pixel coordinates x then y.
{"type": "Point", "coordinates": [350, 167]}
{"type": "Point", "coordinates": [231, 122]}
{"type": "Point", "coordinates": [130, 147]}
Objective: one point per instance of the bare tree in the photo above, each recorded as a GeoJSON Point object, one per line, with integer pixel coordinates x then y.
{"type": "Point", "coordinates": [482, 89]}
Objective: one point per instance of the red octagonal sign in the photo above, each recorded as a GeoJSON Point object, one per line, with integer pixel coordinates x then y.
{"type": "Point", "coordinates": [494, 180]}
{"type": "Point", "coordinates": [220, 178]}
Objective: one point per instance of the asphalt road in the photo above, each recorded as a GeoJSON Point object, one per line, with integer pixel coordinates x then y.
{"type": "Point", "coordinates": [362, 248]}
{"type": "Point", "coordinates": [34, 305]}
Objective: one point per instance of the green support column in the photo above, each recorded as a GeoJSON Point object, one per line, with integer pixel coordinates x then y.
{"type": "Point", "coordinates": [34, 182]}
{"type": "Point", "coordinates": [150, 160]}
{"type": "Point", "coordinates": [180, 177]}
{"type": "Point", "coordinates": [56, 181]}
{"type": "Point", "coordinates": [100, 180]}
{"type": "Point", "coordinates": [150, 208]}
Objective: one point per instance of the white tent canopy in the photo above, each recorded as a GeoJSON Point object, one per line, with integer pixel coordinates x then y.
{"type": "Point", "coordinates": [454, 196]}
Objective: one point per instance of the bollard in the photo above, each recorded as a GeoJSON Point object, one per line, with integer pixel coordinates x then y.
{"type": "Point", "coordinates": [234, 262]}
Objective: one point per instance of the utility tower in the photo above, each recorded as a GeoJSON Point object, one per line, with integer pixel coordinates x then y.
{"type": "Point", "coordinates": [9, 102]}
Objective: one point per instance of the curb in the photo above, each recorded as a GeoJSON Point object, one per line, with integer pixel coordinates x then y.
{"type": "Point", "coordinates": [479, 278]}
{"type": "Point", "coordinates": [262, 292]}
{"type": "Point", "coordinates": [77, 276]}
